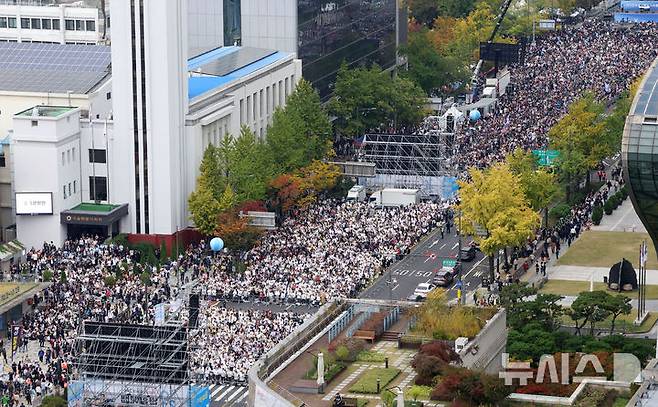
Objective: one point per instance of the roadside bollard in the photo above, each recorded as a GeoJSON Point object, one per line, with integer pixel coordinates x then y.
{"type": "Point", "coordinates": [378, 384]}
{"type": "Point", "coordinates": [386, 363]}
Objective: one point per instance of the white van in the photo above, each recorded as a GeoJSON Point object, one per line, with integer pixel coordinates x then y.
{"type": "Point", "coordinates": [356, 194]}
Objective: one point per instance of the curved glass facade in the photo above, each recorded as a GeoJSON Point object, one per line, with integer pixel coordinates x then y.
{"type": "Point", "coordinates": [358, 32]}
{"type": "Point", "coordinates": [640, 151]}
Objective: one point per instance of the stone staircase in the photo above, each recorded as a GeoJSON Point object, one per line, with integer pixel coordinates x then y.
{"type": "Point", "coordinates": [391, 336]}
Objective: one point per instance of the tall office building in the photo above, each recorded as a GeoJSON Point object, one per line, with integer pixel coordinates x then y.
{"type": "Point", "coordinates": [149, 54]}
{"type": "Point", "coordinates": [639, 151]}
{"type": "Point", "coordinates": [321, 33]}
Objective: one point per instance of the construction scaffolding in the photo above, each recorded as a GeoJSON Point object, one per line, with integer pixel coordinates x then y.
{"type": "Point", "coordinates": [417, 161]}
{"type": "Point", "coordinates": [126, 364]}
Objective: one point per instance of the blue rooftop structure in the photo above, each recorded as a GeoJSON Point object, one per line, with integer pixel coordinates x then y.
{"type": "Point", "coordinates": [222, 66]}
{"type": "Point", "coordinates": [635, 18]}
{"type": "Point", "coordinates": [637, 6]}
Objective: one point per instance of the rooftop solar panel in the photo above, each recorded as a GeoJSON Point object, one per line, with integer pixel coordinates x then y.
{"type": "Point", "coordinates": [234, 61]}
{"type": "Point", "coordinates": [55, 68]}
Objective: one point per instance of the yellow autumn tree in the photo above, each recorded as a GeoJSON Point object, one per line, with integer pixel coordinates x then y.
{"type": "Point", "coordinates": [495, 210]}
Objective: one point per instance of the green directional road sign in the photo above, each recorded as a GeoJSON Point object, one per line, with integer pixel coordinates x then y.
{"type": "Point", "coordinates": [546, 158]}
{"type": "Point", "coordinates": [449, 263]}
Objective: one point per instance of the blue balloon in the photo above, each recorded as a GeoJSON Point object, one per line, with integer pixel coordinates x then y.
{"type": "Point", "coordinates": [474, 115]}
{"type": "Point", "coordinates": [216, 244]}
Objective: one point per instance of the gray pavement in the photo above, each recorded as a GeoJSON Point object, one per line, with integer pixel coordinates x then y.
{"type": "Point", "coordinates": [622, 219]}
{"type": "Point", "coordinates": [420, 265]}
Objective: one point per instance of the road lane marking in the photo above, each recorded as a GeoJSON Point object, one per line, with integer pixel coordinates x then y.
{"type": "Point", "coordinates": [474, 267]}
{"type": "Point", "coordinates": [395, 288]}
{"type": "Point", "coordinates": [444, 245]}
{"type": "Point", "coordinates": [434, 243]}
{"type": "Point", "coordinates": [455, 246]}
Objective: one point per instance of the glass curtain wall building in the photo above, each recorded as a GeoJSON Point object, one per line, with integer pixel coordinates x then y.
{"type": "Point", "coordinates": [359, 32]}
{"type": "Point", "coordinates": [640, 151]}
{"type": "Point", "coordinates": [232, 22]}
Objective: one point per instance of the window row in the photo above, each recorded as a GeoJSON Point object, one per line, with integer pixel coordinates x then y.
{"type": "Point", "coordinates": [97, 189]}
{"type": "Point", "coordinates": [67, 191]}
{"type": "Point", "coordinates": [262, 103]}
{"type": "Point", "coordinates": [48, 24]}
{"type": "Point", "coordinates": [68, 156]}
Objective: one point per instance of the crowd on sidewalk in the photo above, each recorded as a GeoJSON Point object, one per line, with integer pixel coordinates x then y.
{"type": "Point", "coordinates": [331, 250]}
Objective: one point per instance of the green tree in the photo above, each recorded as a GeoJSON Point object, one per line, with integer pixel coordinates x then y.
{"type": "Point", "coordinates": [539, 185]}
{"type": "Point", "coordinates": [366, 98]}
{"type": "Point", "coordinates": [285, 143]}
{"type": "Point", "coordinates": [589, 307]}
{"type": "Point", "coordinates": [305, 104]}
{"type": "Point", "coordinates": [470, 31]}
{"type": "Point", "coordinates": [617, 305]}
{"type": "Point", "coordinates": [427, 67]}
{"type": "Point", "coordinates": [531, 342]}
{"type": "Point", "coordinates": [300, 132]}
{"type": "Point", "coordinates": [513, 294]}
{"type": "Point", "coordinates": [211, 171]}
{"type": "Point", "coordinates": [581, 138]}
{"type": "Point", "coordinates": [544, 310]}
{"type": "Point", "coordinates": [455, 8]}
{"type": "Point", "coordinates": [204, 209]}
{"type": "Point", "coordinates": [249, 169]}
{"type": "Point", "coordinates": [228, 199]}
{"type": "Point", "coordinates": [495, 210]}
{"type": "Point", "coordinates": [424, 11]}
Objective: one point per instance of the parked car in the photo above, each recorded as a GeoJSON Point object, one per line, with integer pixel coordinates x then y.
{"type": "Point", "coordinates": [475, 244]}
{"type": "Point", "coordinates": [443, 278]}
{"type": "Point", "coordinates": [423, 289]}
{"type": "Point", "coordinates": [454, 269]}
{"type": "Point", "coordinates": [467, 253]}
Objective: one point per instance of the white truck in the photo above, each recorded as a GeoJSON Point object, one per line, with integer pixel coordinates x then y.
{"type": "Point", "coordinates": [356, 194]}
{"type": "Point", "coordinates": [395, 197]}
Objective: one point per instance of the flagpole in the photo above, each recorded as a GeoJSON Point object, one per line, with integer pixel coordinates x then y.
{"type": "Point", "coordinates": [639, 291]}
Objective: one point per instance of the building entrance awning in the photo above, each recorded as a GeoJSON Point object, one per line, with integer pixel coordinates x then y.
{"type": "Point", "coordinates": [93, 214]}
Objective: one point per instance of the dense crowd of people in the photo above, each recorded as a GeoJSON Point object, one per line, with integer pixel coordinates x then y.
{"type": "Point", "coordinates": [331, 250]}
{"type": "Point", "coordinates": [232, 340]}
{"type": "Point", "coordinates": [596, 56]}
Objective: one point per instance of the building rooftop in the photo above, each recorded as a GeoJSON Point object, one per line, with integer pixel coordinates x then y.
{"type": "Point", "coordinates": [53, 68]}
{"type": "Point", "coordinates": [94, 207]}
{"type": "Point", "coordinates": [647, 102]}
{"type": "Point", "coordinates": [220, 66]}
{"type": "Point", "coordinates": [46, 111]}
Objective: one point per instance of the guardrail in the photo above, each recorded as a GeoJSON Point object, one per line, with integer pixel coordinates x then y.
{"type": "Point", "coordinates": [391, 318]}
{"type": "Point", "coordinates": [277, 357]}
{"type": "Point", "coordinates": [360, 320]}
{"type": "Point", "coordinates": [341, 323]}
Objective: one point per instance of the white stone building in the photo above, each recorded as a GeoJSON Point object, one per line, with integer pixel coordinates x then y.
{"type": "Point", "coordinates": [136, 164]}
{"type": "Point", "coordinates": [61, 24]}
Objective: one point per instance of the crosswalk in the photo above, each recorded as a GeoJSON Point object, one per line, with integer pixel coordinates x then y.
{"type": "Point", "coordinates": [228, 395]}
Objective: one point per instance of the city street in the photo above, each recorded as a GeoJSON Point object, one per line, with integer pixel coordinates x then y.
{"type": "Point", "coordinates": [420, 265]}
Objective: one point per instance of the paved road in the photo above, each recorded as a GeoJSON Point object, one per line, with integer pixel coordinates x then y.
{"type": "Point", "coordinates": [228, 395]}
{"type": "Point", "coordinates": [419, 266]}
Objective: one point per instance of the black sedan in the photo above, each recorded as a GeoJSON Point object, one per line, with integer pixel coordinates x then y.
{"type": "Point", "coordinates": [467, 253]}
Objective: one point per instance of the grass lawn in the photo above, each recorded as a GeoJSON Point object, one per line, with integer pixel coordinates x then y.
{"type": "Point", "coordinates": [624, 323]}
{"type": "Point", "coordinates": [367, 383]}
{"type": "Point", "coordinates": [603, 249]}
{"type": "Point", "coordinates": [571, 287]}
{"type": "Point", "coordinates": [370, 356]}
